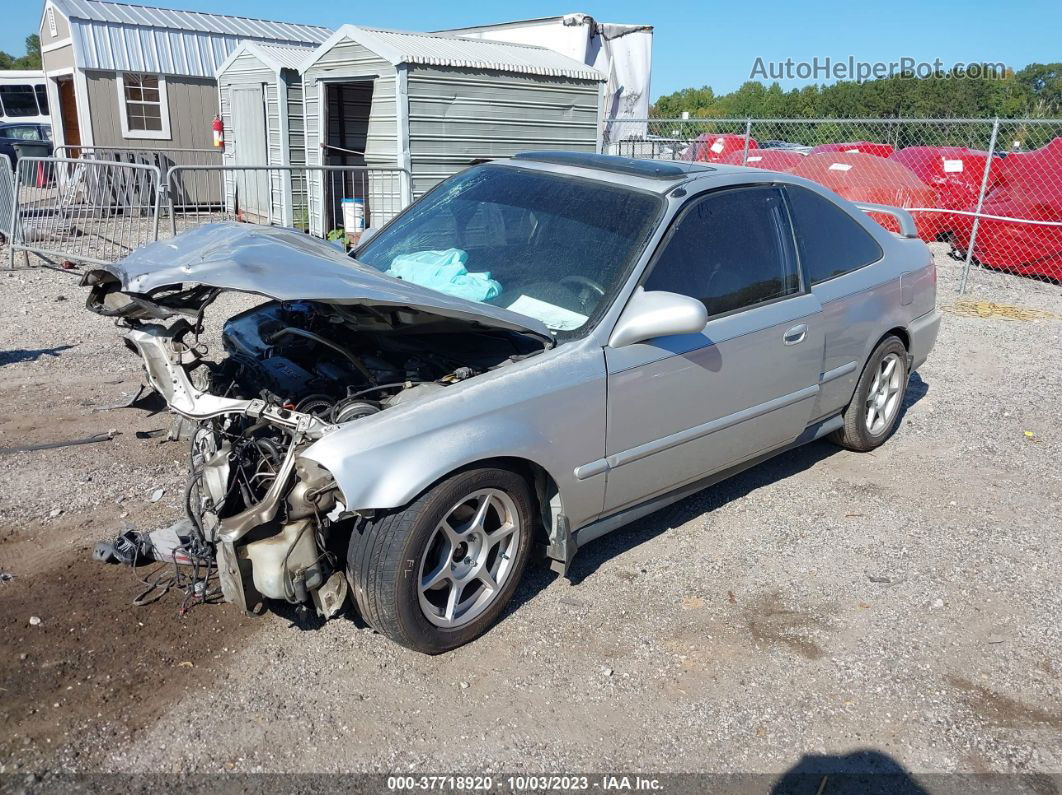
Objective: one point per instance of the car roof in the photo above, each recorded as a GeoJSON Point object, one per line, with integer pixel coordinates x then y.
{"type": "Point", "coordinates": [658, 176]}
{"type": "Point", "coordinates": [649, 169]}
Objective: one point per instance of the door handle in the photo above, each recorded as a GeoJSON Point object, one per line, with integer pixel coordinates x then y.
{"type": "Point", "coordinates": [796, 334]}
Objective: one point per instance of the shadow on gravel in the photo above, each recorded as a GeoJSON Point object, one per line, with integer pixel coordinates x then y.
{"type": "Point", "coordinates": [20, 355]}
{"type": "Point", "coordinates": [916, 390]}
{"type": "Point", "coordinates": [306, 618]}
{"type": "Point", "coordinates": [784, 465]}
{"type": "Point", "coordinates": [865, 772]}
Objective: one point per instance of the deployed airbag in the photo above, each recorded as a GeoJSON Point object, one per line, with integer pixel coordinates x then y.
{"type": "Point", "coordinates": [445, 271]}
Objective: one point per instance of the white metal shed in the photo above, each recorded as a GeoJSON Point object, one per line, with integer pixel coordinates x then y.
{"type": "Point", "coordinates": [140, 77]}
{"type": "Point", "coordinates": [434, 104]}
{"type": "Point", "coordinates": [260, 96]}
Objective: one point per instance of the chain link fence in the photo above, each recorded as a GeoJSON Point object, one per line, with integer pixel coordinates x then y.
{"type": "Point", "coordinates": [990, 189]}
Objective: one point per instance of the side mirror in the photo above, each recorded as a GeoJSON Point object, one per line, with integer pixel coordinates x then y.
{"type": "Point", "coordinates": [656, 313]}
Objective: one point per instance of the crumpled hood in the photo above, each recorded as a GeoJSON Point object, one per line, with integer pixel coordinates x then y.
{"type": "Point", "coordinates": [287, 265]}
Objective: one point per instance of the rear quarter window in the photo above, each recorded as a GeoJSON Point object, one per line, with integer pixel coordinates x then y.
{"type": "Point", "coordinates": [829, 241]}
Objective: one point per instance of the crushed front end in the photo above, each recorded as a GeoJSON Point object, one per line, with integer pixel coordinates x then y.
{"type": "Point", "coordinates": [334, 343]}
{"type": "Point", "coordinates": [269, 515]}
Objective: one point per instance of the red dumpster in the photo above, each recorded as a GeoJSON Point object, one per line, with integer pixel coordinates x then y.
{"type": "Point", "coordinates": [866, 147]}
{"type": "Point", "coordinates": [866, 178]}
{"type": "Point", "coordinates": [713, 147]}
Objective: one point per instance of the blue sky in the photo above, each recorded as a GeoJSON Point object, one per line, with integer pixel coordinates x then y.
{"type": "Point", "coordinates": [698, 43]}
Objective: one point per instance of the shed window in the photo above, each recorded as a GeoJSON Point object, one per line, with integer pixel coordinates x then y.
{"type": "Point", "coordinates": [143, 105]}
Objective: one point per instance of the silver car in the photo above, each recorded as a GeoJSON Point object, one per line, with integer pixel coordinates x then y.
{"type": "Point", "coordinates": [537, 352]}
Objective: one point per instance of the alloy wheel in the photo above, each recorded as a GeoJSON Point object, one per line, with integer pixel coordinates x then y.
{"type": "Point", "coordinates": [883, 397]}
{"type": "Point", "coordinates": [469, 558]}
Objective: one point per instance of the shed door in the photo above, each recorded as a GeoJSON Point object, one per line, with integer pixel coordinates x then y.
{"type": "Point", "coordinates": [251, 149]}
{"type": "Point", "coordinates": [68, 115]}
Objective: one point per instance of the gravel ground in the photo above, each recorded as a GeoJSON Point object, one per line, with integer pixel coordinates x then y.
{"type": "Point", "coordinates": [904, 602]}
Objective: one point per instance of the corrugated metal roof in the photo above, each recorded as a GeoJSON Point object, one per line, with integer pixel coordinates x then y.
{"type": "Point", "coordinates": [122, 36]}
{"type": "Point", "coordinates": [436, 50]}
{"type": "Point", "coordinates": [151, 16]}
{"type": "Point", "coordinates": [275, 56]}
{"type": "Point", "coordinates": [282, 57]}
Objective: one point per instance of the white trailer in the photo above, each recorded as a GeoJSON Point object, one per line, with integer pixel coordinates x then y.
{"type": "Point", "coordinates": [623, 52]}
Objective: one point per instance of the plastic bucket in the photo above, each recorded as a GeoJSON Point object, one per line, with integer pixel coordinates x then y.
{"type": "Point", "coordinates": [353, 216]}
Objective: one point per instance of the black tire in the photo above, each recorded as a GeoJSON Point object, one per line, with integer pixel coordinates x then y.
{"type": "Point", "coordinates": [383, 561]}
{"type": "Point", "coordinates": [854, 434]}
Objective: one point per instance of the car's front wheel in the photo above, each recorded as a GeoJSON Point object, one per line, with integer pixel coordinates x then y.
{"type": "Point", "coordinates": [439, 572]}
{"type": "Point", "coordinates": [875, 408]}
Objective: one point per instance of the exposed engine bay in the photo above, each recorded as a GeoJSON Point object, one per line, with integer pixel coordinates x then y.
{"type": "Point", "coordinates": [334, 365]}
{"type": "Point", "coordinates": [292, 371]}
{"type": "Point", "coordinates": [339, 364]}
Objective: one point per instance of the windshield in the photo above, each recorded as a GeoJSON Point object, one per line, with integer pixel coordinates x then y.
{"type": "Point", "coordinates": [550, 247]}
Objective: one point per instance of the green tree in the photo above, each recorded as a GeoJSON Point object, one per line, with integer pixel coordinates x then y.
{"type": "Point", "coordinates": [31, 60]}
{"type": "Point", "coordinates": [1034, 91]}
{"type": "Point", "coordinates": [693, 100]}
{"type": "Point", "coordinates": [1041, 86]}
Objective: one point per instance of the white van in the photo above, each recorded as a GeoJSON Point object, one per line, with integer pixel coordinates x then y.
{"type": "Point", "coordinates": [23, 97]}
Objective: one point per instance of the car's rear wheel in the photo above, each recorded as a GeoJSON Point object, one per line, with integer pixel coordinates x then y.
{"type": "Point", "coordinates": [872, 415]}
{"type": "Point", "coordinates": [439, 572]}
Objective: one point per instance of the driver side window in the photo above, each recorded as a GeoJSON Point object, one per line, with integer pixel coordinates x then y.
{"type": "Point", "coordinates": [730, 249]}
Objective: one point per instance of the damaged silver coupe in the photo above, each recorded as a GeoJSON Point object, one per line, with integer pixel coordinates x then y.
{"type": "Point", "coordinates": [538, 351]}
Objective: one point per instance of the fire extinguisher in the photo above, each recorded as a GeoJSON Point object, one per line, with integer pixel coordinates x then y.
{"type": "Point", "coordinates": [219, 133]}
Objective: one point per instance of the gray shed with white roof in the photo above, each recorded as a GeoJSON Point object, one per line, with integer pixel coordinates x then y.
{"type": "Point", "coordinates": [260, 95]}
{"type": "Point", "coordinates": [140, 77]}
{"type": "Point", "coordinates": [434, 104]}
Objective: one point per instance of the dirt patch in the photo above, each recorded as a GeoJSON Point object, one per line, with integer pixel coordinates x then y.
{"type": "Point", "coordinates": [1001, 710]}
{"type": "Point", "coordinates": [96, 670]}
{"type": "Point", "coordinates": [771, 623]}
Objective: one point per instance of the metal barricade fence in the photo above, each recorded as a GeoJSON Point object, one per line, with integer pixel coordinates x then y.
{"type": "Point", "coordinates": [95, 210]}
{"type": "Point", "coordinates": [7, 197]}
{"type": "Point", "coordinates": [991, 190]}
{"type": "Point", "coordinates": [164, 158]}
{"type": "Point", "coordinates": [82, 209]}
{"type": "Point", "coordinates": [320, 200]}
